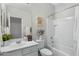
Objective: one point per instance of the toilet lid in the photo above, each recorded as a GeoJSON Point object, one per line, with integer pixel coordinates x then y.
{"type": "Point", "coordinates": [46, 51]}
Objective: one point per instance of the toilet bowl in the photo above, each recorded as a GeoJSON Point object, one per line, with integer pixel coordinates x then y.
{"type": "Point", "coordinates": [45, 52]}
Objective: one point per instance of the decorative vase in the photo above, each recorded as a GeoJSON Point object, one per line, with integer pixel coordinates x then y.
{"type": "Point", "coordinates": [29, 37]}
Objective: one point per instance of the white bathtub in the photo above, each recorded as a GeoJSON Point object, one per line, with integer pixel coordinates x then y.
{"type": "Point", "coordinates": [57, 52]}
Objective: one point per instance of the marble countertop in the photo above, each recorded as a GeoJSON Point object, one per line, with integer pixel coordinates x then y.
{"type": "Point", "coordinates": [15, 46]}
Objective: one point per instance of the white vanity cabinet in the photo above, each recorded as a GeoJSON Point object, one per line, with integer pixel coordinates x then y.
{"type": "Point", "coordinates": [28, 49]}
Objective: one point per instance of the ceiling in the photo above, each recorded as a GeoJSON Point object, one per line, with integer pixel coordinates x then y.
{"type": "Point", "coordinates": [26, 6]}
{"type": "Point", "coordinates": [21, 6]}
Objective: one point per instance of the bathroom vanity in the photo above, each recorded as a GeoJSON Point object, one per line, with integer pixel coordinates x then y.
{"type": "Point", "coordinates": [20, 49]}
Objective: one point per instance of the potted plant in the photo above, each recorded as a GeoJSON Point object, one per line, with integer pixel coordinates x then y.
{"type": "Point", "coordinates": [6, 38]}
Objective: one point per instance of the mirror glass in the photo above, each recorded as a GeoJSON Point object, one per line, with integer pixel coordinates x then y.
{"type": "Point", "coordinates": [16, 27]}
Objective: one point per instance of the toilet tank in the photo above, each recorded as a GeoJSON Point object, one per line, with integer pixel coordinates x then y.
{"type": "Point", "coordinates": [41, 44]}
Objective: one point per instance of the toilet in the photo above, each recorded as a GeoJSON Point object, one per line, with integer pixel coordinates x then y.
{"type": "Point", "coordinates": [43, 51]}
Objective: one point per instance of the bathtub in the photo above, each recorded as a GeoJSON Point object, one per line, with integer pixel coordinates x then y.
{"type": "Point", "coordinates": [57, 52]}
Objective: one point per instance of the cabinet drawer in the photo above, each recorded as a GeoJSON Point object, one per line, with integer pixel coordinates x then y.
{"type": "Point", "coordinates": [13, 53]}
{"type": "Point", "coordinates": [32, 54]}
{"type": "Point", "coordinates": [29, 49]}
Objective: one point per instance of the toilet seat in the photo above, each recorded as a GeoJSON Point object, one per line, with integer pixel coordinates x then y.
{"type": "Point", "coordinates": [46, 52]}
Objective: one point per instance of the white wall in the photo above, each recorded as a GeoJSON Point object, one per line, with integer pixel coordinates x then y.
{"type": "Point", "coordinates": [44, 10]}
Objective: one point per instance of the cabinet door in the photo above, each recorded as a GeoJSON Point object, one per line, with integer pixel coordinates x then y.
{"type": "Point", "coordinates": [13, 53]}
{"type": "Point", "coordinates": [29, 49]}
{"type": "Point", "coordinates": [32, 54]}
